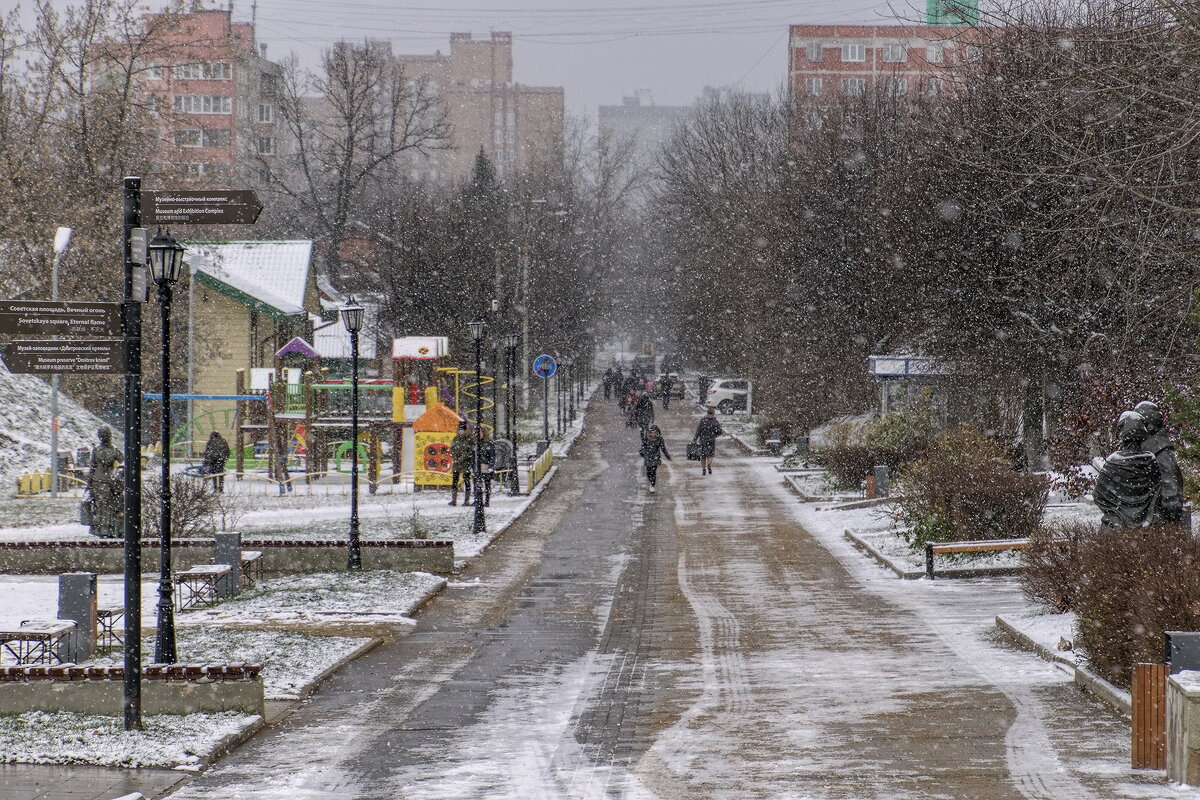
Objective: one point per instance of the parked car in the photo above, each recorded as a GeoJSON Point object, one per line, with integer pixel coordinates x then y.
{"type": "Point", "coordinates": [643, 364]}
{"type": "Point", "coordinates": [728, 395]}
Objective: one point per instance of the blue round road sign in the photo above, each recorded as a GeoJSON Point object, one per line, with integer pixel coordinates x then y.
{"type": "Point", "coordinates": [544, 366]}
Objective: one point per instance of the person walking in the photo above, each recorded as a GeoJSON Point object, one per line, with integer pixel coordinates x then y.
{"type": "Point", "coordinates": [608, 382]}
{"type": "Point", "coordinates": [664, 386]}
{"type": "Point", "coordinates": [643, 413]}
{"type": "Point", "coordinates": [462, 448]}
{"type": "Point", "coordinates": [653, 451]}
{"type": "Point", "coordinates": [216, 454]}
{"type": "Point", "coordinates": [706, 436]}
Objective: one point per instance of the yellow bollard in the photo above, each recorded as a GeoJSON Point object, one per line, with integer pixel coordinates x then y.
{"type": "Point", "coordinates": [23, 487]}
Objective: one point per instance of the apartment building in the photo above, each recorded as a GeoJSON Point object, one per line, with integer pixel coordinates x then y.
{"type": "Point", "coordinates": [217, 95]}
{"type": "Point", "coordinates": [640, 119]}
{"type": "Point", "coordinates": [514, 124]}
{"type": "Point", "coordinates": [830, 61]}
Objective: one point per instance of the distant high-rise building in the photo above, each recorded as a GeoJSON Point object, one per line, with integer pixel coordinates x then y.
{"type": "Point", "coordinates": [514, 124]}
{"type": "Point", "coordinates": [639, 118]}
{"type": "Point", "coordinates": [217, 94]}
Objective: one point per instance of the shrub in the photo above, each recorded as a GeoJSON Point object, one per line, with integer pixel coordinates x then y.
{"type": "Point", "coordinates": [193, 507]}
{"type": "Point", "coordinates": [964, 488]}
{"type": "Point", "coordinates": [1052, 565]}
{"type": "Point", "coordinates": [894, 440]}
{"type": "Point", "coordinates": [1134, 584]}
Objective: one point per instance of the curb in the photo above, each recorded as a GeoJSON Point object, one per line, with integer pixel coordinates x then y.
{"type": "Point", "coordinates": [883, 560]}
{"type": "Point", "coordinates": [1114, 697]}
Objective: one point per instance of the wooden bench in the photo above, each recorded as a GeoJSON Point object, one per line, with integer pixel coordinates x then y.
{"type": "Point", "coordinates": [975, 546]}
{"type": "Point", "coordinates": [110, 626]}
{"type": "Point", "coordinates": [37, 641]}
{"type": "Point", "coordinates": [197, 586]}
{"type": "Point", "coordinates": [252, 567]}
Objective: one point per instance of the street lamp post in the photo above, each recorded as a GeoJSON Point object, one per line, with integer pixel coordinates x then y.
{"type": "Point", "coordinates": [480, 524]}
{"type": "Point", "coordinates": [352, 318]}
{"type": "Point", "coordinates": [512, 340]}
{"type": "Point", "coordinates": [571, 392]}
{"type": "Point", "coordinates": [166, 262]}
{"type": "Point", "coordinates": [62, 238]}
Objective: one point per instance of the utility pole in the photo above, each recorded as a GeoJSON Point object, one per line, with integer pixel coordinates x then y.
{"type": "Point", "coordinates": [131, 328]}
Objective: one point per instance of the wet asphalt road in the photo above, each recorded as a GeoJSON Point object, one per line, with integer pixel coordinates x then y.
{"type": "Point", "coordinates": [694, 643]}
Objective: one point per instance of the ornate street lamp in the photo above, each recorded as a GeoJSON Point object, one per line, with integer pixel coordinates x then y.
{"type": "Point", "coordinates": [352, 318]}
{"type": "Point", "coordinates": [476, 329]}
{"type": "Point", "coordinates": [166, 263]}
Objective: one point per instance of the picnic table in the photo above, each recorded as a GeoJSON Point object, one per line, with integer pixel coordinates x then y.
{"type": "Point", "coordinates": [109, 623]}
{"type": "Point", "coordinates": [37, 641]}
{"type": "Point", "coordinates": [197, 586]}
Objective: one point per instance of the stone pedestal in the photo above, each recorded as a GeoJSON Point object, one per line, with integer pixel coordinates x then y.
{"type": "Point", "coordinates": [1183, 727]}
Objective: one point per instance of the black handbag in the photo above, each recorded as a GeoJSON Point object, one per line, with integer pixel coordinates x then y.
{"type": "Point", "coordinates": [693, 451]}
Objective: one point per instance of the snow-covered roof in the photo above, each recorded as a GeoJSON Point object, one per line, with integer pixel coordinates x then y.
{"type": "Point", "coordinates": [272, 273]}
{"type": "Point", "coordinates": [332, 340]}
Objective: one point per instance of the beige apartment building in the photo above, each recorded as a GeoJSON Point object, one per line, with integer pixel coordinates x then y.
{"type": "Point", "coordinates": [515, 125]}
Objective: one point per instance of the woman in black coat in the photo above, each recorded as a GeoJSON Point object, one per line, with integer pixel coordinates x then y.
{"type": "Point", "coordinates": [654, 450]}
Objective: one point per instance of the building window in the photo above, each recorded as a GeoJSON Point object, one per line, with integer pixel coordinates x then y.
{"type": "Point", "coordinates": [218, 71]}
{"type": "Point", "coordinates": [854, 87]}
{"type": "Point", "coordinates": [206, 170]}
{"type": "Point", "coordinates": [497, 156]}
{"type": "Point", "coordinates": [854, 52]}
{"type": "Point", "coordinates": [497, 136]}
{"type": "Point", "coordinates": [188, 137]}
{"type": "Point", "coordinates": [187, 71]}
{"type": "Point", "coordinates": [203, 71]}
{"type": "Point", "coordinates": [896, 86]}
{"type": "Point", "coordinates": [933, 87]}
{"type": "Point", "coordinates": [510, 119]}
{"type": "Point", "coordinates": [202, 104]}
{"type": "Point", "coordinates": [498, 118]}
{"type": "Point", "coordinates": [266, 112]}
{"type": "Point", "coordinates": [812, 86]}
{"type": "Point", "coordinates": [156, 72]}
{"type": "Point", "coordinates": [934, 53]}
{"type": "Point", "coordinates": [813, 52]}
{"type": "Point", "coordinates": [895, 53]}
{"type": "Point", "coordinates": [266, 145]}
{"type": "Point", "coordinates": [216, 137]}
{"type": "Point", "coordinates": [267, 84]}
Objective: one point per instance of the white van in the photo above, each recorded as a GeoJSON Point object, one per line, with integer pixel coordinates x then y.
{"type": "Point", "coordinates": [728, 395]}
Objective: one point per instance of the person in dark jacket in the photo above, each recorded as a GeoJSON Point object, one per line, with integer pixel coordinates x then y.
{"type": "Point", "coordinates": [487, 466]}
{"type": "Point", "coordinates": [664, 386]}
{"type": "Point", "coordinates": [462, 448]}
{"type": "Point", "coordinates": [706, 436]}
{"type": "Point", "coordinates": [653, 451]}
{"type": "Point", "coordinates": [643, 413]}
{"type": "Point", "coordinates": [216, 453]}
{"type": "Point", "coordinates": [607, 380]}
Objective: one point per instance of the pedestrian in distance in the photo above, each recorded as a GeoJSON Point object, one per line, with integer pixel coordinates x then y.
{"type": "Point", "coordinates": [643, 413]}
{"type": "Point", "coordinates": [706, 437]}
{"type": "Point", "coordinates": [487, 466]}
{"type": "Point", "coordinates": [216, 454]}
{"type": "Point", "coordinates": [607, 380]}
{"type": "Point", "coordinates": [462, 449]}
{"type": "Point", "coordinates": [653, 451]}
{"type": "Point", "coordinates": [664, 386]}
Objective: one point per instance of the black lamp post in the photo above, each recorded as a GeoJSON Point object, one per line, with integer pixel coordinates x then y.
{"type": "Point", "coordinates": [571, 392]}
{"type": "Point", "coordinates": [512, 340]}
{"type": "Point", "coordinates": [352, 318]}
{"type": "Point", "coordinates": [476, 329]}
{"type": "Point", "coordinates": [166, 262]}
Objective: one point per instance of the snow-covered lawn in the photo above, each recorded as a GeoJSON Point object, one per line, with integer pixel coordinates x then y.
{"type": "Point", "coordinates": [165, 740]}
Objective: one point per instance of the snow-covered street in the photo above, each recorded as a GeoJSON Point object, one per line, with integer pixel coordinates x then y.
{"type": "Point", "coordinates": [716, 639]}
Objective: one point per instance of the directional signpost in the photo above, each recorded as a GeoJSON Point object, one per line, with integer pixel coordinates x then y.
{"type": "Point", "coordinates": [46, 318]}
{"type": "Point", "coordinates": [220, 207]}
{"type": "Point", "coordinates": [50, 356]}
{"type": "Point", "coordinates": [545, 366]}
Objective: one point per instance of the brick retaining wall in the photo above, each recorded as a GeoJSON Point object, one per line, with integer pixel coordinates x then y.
{"type": "Point", "coordinates": [280, 556]}
{"type": "Point", "coordinates": [166, 689]}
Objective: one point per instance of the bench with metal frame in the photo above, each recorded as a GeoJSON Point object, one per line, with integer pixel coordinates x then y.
{"type": "Point", "coordinates": [109, 626]}
{"type": "Point", "coordinates": [252, 567]}
{"type": "Point", "coordinates": [38, 641]}
{"type": "Point", "coordinates": [975, 546]}
{"type": "Point", "coordinates": [197, 586]}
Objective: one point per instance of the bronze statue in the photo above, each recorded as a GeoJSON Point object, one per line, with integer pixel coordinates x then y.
{"type": "Point", "coordinates": [1127, 489]}
{"type": "Point", "coordinates": [1170, 495]}
{"type": "Point", "coordinates": [105, 498]}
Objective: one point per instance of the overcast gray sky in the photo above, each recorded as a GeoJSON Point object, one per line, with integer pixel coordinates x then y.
{"type": "Point", "coordinates": [598, 50]}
